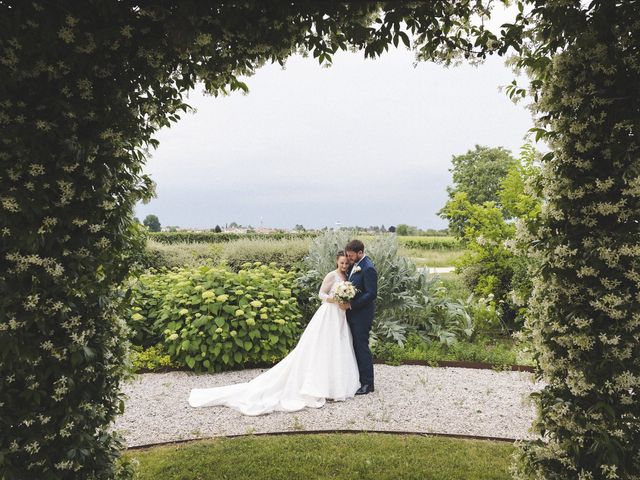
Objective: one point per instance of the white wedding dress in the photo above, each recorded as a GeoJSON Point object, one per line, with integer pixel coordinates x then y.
{"type": "Point", "coordinates": [322, 365]}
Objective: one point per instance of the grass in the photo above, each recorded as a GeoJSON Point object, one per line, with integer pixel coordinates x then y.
{"type": "Point", "coordinates": [431, 251]}
{"type": "Point", "coordinates": [427, 238]}
{"type": "Point", "coordinates": [183, 254]}
{"type": "Point", "coordinates": [285, 252]}
{"type": "Point", "coordinates": [432, 258]}
{"type": "Point", "coordinates": [328, 456]}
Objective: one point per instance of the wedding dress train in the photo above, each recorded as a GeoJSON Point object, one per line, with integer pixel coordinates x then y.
{"type": "Point", "coordinates": [322, 365]}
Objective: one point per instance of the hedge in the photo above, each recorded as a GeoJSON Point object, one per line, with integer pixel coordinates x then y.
{"type": "Point", "coordinates": [215, 319]}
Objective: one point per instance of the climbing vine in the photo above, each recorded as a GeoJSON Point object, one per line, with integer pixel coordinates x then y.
{"type": "Point", "coordinates": [84, 87]}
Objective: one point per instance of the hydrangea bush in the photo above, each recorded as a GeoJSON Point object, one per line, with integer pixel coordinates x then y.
{"type": "Point", "coordinates": [214, 319]}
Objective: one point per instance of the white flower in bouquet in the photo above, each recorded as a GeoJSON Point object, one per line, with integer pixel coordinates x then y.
{"type": "Point", "coordinates": [344, 292]}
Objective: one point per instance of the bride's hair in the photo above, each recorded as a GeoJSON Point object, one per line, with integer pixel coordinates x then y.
{"type": "Point", "coordinates": [341, 253]}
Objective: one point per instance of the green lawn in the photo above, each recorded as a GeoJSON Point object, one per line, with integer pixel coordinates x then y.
{"type": "Point", "coordinates": [324, 456]}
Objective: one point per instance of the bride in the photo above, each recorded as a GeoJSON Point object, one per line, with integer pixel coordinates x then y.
{"type": "Point", "coordinates": [322, 365]}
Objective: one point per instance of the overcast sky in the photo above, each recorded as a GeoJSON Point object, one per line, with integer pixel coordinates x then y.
{"type": "Point", "coordinates": [365, 142]}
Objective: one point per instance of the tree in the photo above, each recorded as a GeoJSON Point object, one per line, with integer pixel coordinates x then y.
{"type": "Point", "coordinates": [491, 266]}
{"type": "Point", "coordinates": [392, 229]}
{"type": "Point", "coordinates": [152, 223]}
{"type": "Point", "coordinates": [478, 173]}
{"type": "Point", "coordinates": [404, 230]}
{"type": "Point", "coordinates": [299, 228]}
{"type": "Point", "coordinates": [217, 229]}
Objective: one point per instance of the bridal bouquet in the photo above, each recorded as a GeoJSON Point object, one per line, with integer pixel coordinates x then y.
{"type": "Point", "coordinates": [344, 292]}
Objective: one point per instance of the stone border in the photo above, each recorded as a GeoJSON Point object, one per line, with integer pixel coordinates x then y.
{"type": "Point", "coordinates": [376, 361]}
{"type": "Point", "coordinates": [464, 364]}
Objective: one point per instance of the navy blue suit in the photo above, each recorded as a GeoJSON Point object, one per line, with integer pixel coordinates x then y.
{"type": "Point", "coordinates": [360, 316]}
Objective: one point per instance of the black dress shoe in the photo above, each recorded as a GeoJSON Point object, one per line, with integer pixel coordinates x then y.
{"type": "Point", "coordinates": [364, 389]}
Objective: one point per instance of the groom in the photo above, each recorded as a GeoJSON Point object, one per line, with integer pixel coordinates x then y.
{"type": "Point", "coordinates": [361, 310]}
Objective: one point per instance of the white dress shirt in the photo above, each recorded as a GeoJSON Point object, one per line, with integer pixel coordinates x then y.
{"type": "Point", "coordinates": [356, 264]}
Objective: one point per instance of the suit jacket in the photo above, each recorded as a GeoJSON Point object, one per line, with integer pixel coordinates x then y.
{"type": "Point", "coordinates": [366, 282]}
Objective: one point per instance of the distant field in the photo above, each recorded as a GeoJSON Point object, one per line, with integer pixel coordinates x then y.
{"type": "Point", "coordinates": [431, 251]}
{"type": "Point", "coordinates": [212, 237]}
{"type": "Point", "coordinates": [432, 258]}
{"type": "Point", "coordinates": [425, 251]}
{"type": "Point", "coordinates": [430, 243]}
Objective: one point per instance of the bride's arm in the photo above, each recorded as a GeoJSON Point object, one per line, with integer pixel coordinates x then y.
{"type": "Point", "coordinates": [327, 283]}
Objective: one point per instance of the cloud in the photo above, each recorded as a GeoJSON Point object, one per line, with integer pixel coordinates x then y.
{"type": "Point", "coordinates": [363, 142]}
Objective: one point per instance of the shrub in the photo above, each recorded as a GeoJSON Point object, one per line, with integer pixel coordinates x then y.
{"type": "Point", "coordinates": [494, 265]}
{"type": "Point", "coordinates": [403, 291]}
{"type": "Point", "coordinates": [286, 253]}
{"type": "Point", "coordinates": [482, 350]}
{"type": "Point", "coordinates": [430, 243]}
{"type": "Point", "coordinates": [213, 237]}
{"type": "Point", "coordinates": [147, 294]}
{"type": "Point", "coordinates": [401, 286]}
{"type": "Point", "coordinates": [175, 255]}
{"type": "Point", "coordinates": [151, 359]}
{"type": "Point", "coordinates": [214, 319]}
{"type": "Point", "coordinates": [442, 319]}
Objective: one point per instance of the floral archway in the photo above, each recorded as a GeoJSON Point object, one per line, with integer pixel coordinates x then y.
{"type": "Point", "coordinates": [85, 85]}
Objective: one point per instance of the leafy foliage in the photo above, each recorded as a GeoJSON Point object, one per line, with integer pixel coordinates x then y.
{"type": "Point", "coordinates": [223, 237]}
{"type": "Point", "coordinates": [152, 223]}
{"type": "Point", "coordinates": [214, 319]}
{"type": "Point", "coordinates": [480, 350]}
{"type": "Point", "coordinates": [443, 319]}
{"type": "Point", "coordinates": [430, 243]}
{"type": "Point", "coordinates": [584, 323]}
{"type": "Point", "coordinates": [403, 291]}
{"type": "Point", "coordinates": [401, 286]}
{"type": "Point", "coordinates": [286, 253]}
{"type": "Point", "coordinates": [175, 255]}
{"type": "Point", "coordinates": [152, 359]}
{"type": "Point", "coordinates": [493, 265]}
{"type": "Point", "coordinates": [478, 174]}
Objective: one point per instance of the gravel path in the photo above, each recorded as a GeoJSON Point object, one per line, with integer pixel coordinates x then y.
{"type": "Point", "coordinates": [407, 398]}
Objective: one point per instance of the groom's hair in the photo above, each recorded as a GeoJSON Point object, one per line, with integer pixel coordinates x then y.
{"type": "Point", "coordinates": [354, 246]}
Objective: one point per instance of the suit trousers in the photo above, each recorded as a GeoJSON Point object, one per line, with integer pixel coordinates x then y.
{"type": "Point", "coordinates": [360, 325]}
